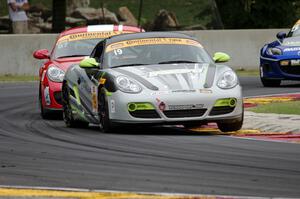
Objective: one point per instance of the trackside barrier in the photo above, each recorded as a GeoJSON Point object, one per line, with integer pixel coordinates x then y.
{"type": "Point", "coordinates": [242, 45]}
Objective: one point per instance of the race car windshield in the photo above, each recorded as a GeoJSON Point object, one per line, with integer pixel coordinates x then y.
{"type": "Point", "coordinates": [295, 31]}
{"type": "Point", "coordinates": [75, 48]}
{"type": "Point", "coordinates": [153, 53]}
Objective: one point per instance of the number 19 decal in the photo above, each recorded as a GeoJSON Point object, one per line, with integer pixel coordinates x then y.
{"type": "Point", "coordinates": [118, 51]}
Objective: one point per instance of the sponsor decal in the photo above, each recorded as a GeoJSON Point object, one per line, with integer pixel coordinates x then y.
{"type": "Point", "coordinates": [295, 62]}
{"type": "Point", "coordinates": [102, 81]}
{"type": "Point", "coordinates": [205, 91]}
{"type": "Point", "coordinates": [162, 106]}
{"type": "Point", "coordinates": [112, 106]}
{"type": "Point", "coordinates": [185, 106]}
{"type": "Point", "coordinates": [160, 93]}
{"type": "Point", "coordinates": [152, 41]}
{"type": "Point", "coordinates": [47, 96]}
{"type": "Point", "coordinates": [88, 35]}
{"type": "Point", "coordinates": [183, 91]}
{"type": "Point", "coordinates": [291, 49]}
{"type": "Point", "coordinates": [94, 99]}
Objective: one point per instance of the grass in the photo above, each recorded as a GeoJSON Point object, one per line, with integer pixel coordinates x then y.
{"type": "Point", "coordinates": [18, 78]}
{"type": "Point", "coordinates": [243, 72]}
{"type": "Point", "coordinates": [184, 10]}
{"type": "Point", "coordinates": [291, 107]}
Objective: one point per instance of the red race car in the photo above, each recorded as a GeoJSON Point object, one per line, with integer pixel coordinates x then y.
{"type": "Point", "coordinates": [70, 48]}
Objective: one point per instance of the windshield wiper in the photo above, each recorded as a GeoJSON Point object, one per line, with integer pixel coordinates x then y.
{"type": "Point", "coordinates": [177, 61]}
{"type": "Point", "coordinates": [71, 56]}
{"type": "Point", "coordinates": [124, 65]}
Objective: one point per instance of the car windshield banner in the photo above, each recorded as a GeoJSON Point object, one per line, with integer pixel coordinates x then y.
{"type": "Point", "coordinates": [152, 41]}
{"type": "Point", "coordinates": [89, 35]}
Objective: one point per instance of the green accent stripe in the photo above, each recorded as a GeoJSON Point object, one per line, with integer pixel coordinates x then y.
{"type": "Point", "coordinates": [79, 113]}
{"type": "Point", "coordinates": [76, 91]}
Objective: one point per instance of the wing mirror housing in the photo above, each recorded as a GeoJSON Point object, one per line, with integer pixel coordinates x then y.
{"type": "Point", "coordinates": [41, 54]}
{"type": "Point", "coordinates": [281, 35]}
{"type": "Point", "coordinates": [89, 63]}
{"type": "Point", "coordinates": [220, 57]}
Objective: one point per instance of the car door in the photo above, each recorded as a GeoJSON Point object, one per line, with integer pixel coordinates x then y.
{"type": "Point", "coordinates": [88, 84]}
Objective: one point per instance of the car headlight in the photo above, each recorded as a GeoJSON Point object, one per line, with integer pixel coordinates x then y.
{"type": "Point", "coordinates": [227, 80]}
{"type": "Point", "coordinates": [274, 51]}
{"type": "Point", "coordinates": [55, 74]}
{"type": "Point", "coordinates": [127, 85]}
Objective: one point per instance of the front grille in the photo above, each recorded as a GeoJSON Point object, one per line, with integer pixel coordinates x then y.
{"type": "Point", "coordinates": [58, 97]}
{"type": "Point", "coordinates": [184, 113]}
{"type": "Point", "coordinates": [144, 114]}
{"type": "Point", "coordinates": [221, 110]}
{"type": "Point", "coordinates": [293, 70]}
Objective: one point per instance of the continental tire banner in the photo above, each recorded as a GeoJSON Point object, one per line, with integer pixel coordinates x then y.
{"type": "Point", "coordinates": [152, 41]}
{"type": "Point", "coordinates": [89, 35]}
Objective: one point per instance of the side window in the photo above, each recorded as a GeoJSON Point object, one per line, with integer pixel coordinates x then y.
{"type": "Point", "coordinates": [97, 52]}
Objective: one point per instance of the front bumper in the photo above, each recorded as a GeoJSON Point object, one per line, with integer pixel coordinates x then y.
{"type": "Point", "coordinates": [272, 69]}
{"type": "Point", "coordinates": [203, 103]}
{"type": "Point", "coordinates": [51, 95]}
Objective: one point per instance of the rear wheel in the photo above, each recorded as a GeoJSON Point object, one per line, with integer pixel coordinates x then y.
{"type": "Point", "coordinates": [67, 111]}
{"type": "Point", "coordinates": [233, 125]}
{"type": "Point", "coordinates": [270, 82]}
{"type": "Point", "coordinates": [106, 125]}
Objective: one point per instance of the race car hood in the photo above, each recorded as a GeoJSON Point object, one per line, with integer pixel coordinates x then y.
{"type": "Point", "coordinates": [291, 41]}
{"type": "Point", "coordinates": [65, 63]}
{"type": "Point", "coordinates": [175, 77]}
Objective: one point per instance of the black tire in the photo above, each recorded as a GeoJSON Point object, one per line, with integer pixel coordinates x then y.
{"type": "Point", "coordinates": [270, 82]}
{"type": "Point", "coordinates": [233, 125]}
{"type": "Point", "coordinates": [106, 125]}
{"type": "Point", "coordinates": [67, 111]}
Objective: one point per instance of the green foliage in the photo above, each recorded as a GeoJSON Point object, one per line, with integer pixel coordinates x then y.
{"type": "Point", "coordinates": [292, 107]}
{"type": "Point", "coordinates": [18, 78]}
{"type": "Point", "coordinates": [185, 10]}
{"type": "Point", "coordinates": [241, 14]}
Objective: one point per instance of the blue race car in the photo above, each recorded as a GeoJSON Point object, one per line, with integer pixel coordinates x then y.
{"type": "Point", "coordinates": [280, 60]}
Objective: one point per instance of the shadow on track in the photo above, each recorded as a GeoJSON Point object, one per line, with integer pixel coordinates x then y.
{"type": "Point", "coordinates": [154, 130]}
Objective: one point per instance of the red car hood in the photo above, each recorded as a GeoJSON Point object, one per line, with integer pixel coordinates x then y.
{"type": "Point", "coordinates": [65, 63]}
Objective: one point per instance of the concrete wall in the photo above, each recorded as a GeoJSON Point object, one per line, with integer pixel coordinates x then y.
{"type": "Point", "coordinates": [242, 45]}
{"type": "Point", "coordinates": [16, 52]}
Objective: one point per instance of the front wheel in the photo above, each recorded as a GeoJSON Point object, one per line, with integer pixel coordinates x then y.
{"type": "Point", "coordinates": [67, 111]}
{"type": "Point", "coordinates": [233, 125]}
{"type": "Point", "coordinates": [106, 125]}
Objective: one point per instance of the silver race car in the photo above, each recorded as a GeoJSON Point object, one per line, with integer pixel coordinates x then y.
{"type": "Point", "coordinates": [152, 78]}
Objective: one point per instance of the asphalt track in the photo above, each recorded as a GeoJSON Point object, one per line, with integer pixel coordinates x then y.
{"type": "Point", "coordinates": [36, 152]}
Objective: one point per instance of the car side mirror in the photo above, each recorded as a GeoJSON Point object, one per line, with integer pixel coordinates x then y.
{"type": "Point", "coordinates": [41, 54]}
{"type": "Point", "coordinates": [281, 35]}
{"type": "Point", "coordinates": [220, 57]}
{"type": "Point", "coordinates": [89, 63]}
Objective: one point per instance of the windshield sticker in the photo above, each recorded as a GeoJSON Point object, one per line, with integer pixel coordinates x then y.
{"type": "Point", "coordinates": [152, 41]}
{"type": "Point", "coordinates": [89, 35]}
